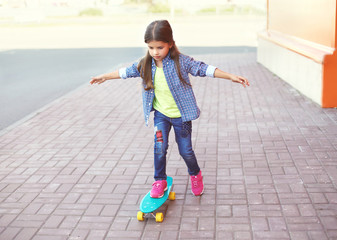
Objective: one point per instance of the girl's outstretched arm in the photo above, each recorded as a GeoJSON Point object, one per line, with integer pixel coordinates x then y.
{"type": "Point", "coordinates": [234, 78]}
{"type": "Point", "coordinates": [103, 77]}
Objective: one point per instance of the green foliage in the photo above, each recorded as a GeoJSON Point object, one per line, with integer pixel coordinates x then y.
{"type": "Point", "coordinates": [207, 10]}
{"type": "Point", "coordinates": [137, 1]}
{"type": "Point", "coordinates": [91, 12]}
{"type": "Point", "coordinates": [159, 8]}
{"type": "Point", "coordinates": [231, 9]}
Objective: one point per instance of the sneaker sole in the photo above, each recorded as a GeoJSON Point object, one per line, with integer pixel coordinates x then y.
{"type": "Point", "coordinates": [202, 192]}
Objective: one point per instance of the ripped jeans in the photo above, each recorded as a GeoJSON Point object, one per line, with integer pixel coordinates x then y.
{"type": "Point", "coordinates": [183, 132]}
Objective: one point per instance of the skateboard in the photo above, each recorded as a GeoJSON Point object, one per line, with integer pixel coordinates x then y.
{"type": "Point", "coordinates": [149, 205]}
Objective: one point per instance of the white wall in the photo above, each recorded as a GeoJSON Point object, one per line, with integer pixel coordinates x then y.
{"type": "Point", "coordinates": [302, 73]}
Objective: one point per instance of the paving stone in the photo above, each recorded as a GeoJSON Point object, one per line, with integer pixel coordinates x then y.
{"type": "Point", "coordinates": [79, 168]}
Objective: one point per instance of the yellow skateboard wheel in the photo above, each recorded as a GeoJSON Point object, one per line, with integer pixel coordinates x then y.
{"type": "Point", "coordinates": [140, 216]}
{"type": "Point", "coordinates": [159, 217]}
{"type": "Point", "coordinates": [172, 196]}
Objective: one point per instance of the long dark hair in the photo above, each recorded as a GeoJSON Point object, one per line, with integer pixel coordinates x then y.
{"type": "Point", "coordinates": [158, 31]}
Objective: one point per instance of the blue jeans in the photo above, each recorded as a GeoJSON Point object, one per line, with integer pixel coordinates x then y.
{"type": "Point", "coordinates": [183, 132]}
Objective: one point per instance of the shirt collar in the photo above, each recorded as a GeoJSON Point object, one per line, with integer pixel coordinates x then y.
{"type": "Point", "coordinates": [168, 57]}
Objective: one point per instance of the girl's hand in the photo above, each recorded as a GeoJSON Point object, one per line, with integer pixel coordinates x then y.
{"type": "Point", "coordinates": [97, 80]}
{"type": "Point", "coordinates": [104, 77]}
{"type": "Point", "coordinates": [239, 79]}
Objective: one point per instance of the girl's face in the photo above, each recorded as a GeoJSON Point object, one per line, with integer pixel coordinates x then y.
{"type": "Point", "coordinates": [158, 50]}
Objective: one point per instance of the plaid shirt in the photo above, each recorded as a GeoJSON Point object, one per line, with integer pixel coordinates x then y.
{"type": "Point", "coordinates": [182, 94]}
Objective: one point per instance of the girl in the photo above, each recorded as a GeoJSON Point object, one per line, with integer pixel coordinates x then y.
{"type": "Point", "coordinates": [168, 92]}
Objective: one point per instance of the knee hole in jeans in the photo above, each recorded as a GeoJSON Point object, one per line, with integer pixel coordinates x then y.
{"type": "Point", "coordinates": [158, 144]}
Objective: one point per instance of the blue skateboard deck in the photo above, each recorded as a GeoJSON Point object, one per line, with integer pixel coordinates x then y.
{"type": "Point", "coordinates": [149, 204]}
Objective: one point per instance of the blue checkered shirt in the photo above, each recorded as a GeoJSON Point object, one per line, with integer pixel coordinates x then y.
{"type": "Point", "coordinates": [182, 93]}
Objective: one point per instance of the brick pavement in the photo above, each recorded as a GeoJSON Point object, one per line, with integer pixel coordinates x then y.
{"type": "Point", "coordinates": [79, 168]}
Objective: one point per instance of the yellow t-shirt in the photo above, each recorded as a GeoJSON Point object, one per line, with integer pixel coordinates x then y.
{"type": "Point", "coordinates": [163, 100]}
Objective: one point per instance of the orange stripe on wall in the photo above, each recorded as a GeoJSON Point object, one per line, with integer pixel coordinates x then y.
{"type": "Point", "coordinates": [330, 81]}
{"type": "Point", "coordinates": [329, 96]}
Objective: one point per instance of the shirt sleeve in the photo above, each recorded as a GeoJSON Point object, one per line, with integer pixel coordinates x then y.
{"type": "Point", "coordinates": [129, 72]}
{"type": "Point", "coordinates": [122, 73]}
{"type": "Point", "coordinates": [210, 71]}
{"type": "Point", "coordinates": [197, 68]}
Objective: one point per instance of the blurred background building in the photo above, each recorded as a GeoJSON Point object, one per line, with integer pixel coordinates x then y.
{"type": "Point", "coordinates": [41, 24]}
{"type": "Point", "coordinates": [299, 45]}
{"type": "Point", "coordinates": [45, 8]}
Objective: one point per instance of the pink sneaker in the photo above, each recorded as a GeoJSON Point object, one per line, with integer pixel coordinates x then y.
{"type": "Point", "coordinates": [197, 184]}
{"type": "Point", "coordinates": [158, 189]}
